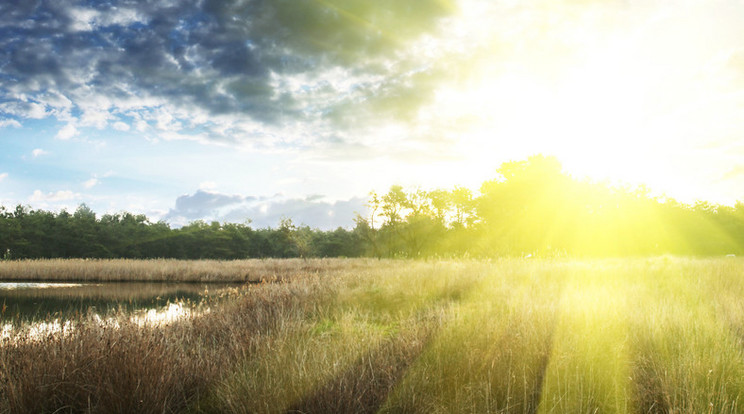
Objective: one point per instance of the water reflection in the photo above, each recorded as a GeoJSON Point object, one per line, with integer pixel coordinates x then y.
{"type": "Point", "coordinates": [41, 330]}
{"type": "Point", "coordinates": [35, 285]}
{"type": "Point", "coordinates": [29, 302]}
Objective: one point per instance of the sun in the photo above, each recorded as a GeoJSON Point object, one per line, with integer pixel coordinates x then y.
{"type": "Point", "coordinates": [599, 117]}
{"type": "Point", "coordinates": [606, 90]}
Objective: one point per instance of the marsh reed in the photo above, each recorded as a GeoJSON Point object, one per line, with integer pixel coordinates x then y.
{"type": "Point", "coordinates": [640, 335]}
{"type": "Point", "coordinates": [167, 270]}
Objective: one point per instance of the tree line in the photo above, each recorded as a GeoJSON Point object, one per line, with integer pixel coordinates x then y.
{"type": "Point", "coordinates": [27, 234]}
{"type": "Point", "coordinates": [530, 208]}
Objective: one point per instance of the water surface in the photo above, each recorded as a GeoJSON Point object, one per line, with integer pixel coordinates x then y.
{"type": "Point", "coordinates": [29, 301]}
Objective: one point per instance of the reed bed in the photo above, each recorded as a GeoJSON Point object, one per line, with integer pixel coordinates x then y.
{"type": "Point", "coordinates": [658, 335]}
{"type": "Point", "coordinates": [135, 368]}
{"type": "Point", "coordinates": [168, 270]}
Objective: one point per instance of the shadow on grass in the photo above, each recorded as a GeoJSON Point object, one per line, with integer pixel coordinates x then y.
{"type": "Point", "coordinates": [532, 402]}
{"type": "Point", "coordinates": [648, 392]}
{"type": "Point", "coordinates": [364, 386]}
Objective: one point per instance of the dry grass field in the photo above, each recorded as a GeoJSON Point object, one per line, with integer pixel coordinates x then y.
{"type": "Point", "coordinates": [167, 270]}
{"type": "Point", "coordinates": [644, 335]}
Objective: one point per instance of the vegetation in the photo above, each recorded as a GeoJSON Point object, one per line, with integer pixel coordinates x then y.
{"type": "Point", "coordinates": [540, 300]}
{"type": "Point", "coordinates": [164, 270]}
{"type": "Point", "coordinates": [33, 234]}
{"type": "Point", "coordinates": [532, 207]}
{"type": "Point", "coordinates": [504, 336]}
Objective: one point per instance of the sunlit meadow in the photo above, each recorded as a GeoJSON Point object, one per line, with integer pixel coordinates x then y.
{"type": "Point", "coordinates": [642, 335]}
{"type": "Point", "coordinates": [597, 275]}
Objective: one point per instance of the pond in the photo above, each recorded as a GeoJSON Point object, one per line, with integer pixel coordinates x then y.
{"type": "Point", "coordinates": [29, 302]}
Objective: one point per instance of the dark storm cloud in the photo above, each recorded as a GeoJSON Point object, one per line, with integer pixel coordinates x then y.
{"type": "Point", "coordinates": [221, 57]}
{"type": "Point", "coordinates": [313, 211]}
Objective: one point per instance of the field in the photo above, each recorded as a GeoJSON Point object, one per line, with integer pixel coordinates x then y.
{"type": "Point", "coordinates": [642, 335]}
{"type": "Point", "coordinates": [165, 270]}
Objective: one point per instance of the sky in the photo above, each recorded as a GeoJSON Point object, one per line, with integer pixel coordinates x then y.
{"type": "Point", "coordinates": [256, 110]}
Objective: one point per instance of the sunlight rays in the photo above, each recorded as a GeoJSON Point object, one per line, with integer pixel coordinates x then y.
{"type": "Point", "coordinates": [589, 364]}
{"type": "Point", "coordinates": [508, 336]}
{"type": "Point", "coordinates": [623, 102]}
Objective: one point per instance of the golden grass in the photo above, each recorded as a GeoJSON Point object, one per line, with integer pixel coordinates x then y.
{"type": "Point", "coordinates": [656, 335]}
{"type": "Point", "coordinates": [168, 270]}
{"type": "Point", "coordinates": [145, 369]}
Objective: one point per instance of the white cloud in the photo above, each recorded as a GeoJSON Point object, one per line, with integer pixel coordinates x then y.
{"type": "Point", "coordinates": [121, 126]}
{"type": "Point", "coordinates": [122, 17]}
{"type": "Point", "coordinates": [166, 121]}
{"type": "Point", "coordinates": [91, 183]}
{"type": "Point", "coordinates": [57, 102]}
{"type": "Point", "coordinates": [24, 109]}
{"type": "Point", "coordinates": [38, 152]}
{"type": "Point", "coordinates": [3, 176]}
{"type": "Point", "coordinates": [95, 117]}
{"type": "Point", "coordinates": [61, 195]}
{"type": "Point", "coordinates": [207, 185]}
{"type": "Point", "coordinates": [68, 131]}
{"type": "Point", "coordinates": [36, 111]}
{"type": "Point", "coordinates": [10, 123]}
{"type": "Point", "coordinates": [82, 19]}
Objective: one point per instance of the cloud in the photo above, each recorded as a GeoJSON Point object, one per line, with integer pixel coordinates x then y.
{"type": "Point", "coordinates": [313, 211]}
{"type": "Point", "coordinates": [62, 195]}
{"type": "Point", "coordinates": [91, 183]}
{"type": "Point", "coordinates": [734, 173]}
{"type": "Point", "coordinates": [3, 176]}
{"type": "Point", "coordinates": [9, 123]}
{"type": "Point", "coordinates": [24, 108]}
{"type": "Point", "coordinates": [38, 152]}
{"type": "Point", "coordinates": [121, 126]}
{"type": "Point", "coordinates": [203, 204]}
{"type": "Point", "coordinates": [237, 71]}
{"type": "Point", "coordinates": [88, 19]}
{"type": "Point", "coordinates": [207, 185]}
{"type": "Point", "coordinates": [66, 132]}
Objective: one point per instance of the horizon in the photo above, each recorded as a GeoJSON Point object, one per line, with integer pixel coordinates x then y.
{"type": "Point", "coordinates": [268, 217]}
{"type": "Point", "coordinates": [213, 111]}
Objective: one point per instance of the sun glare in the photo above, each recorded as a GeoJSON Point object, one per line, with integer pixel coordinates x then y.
{"type": "Point", "coordinates": [608, 91]}
{"type": "Point", "coordinates": [596, 116]}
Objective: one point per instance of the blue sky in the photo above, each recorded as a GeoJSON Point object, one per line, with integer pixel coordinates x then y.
{"type": "Point", "coordinates": [256, 110]}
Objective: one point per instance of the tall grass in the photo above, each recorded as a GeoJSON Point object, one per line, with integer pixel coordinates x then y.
{"type": "Point", "coordinates": [589, 363]}
{"type": "Point", "coordinates": [660, 335]}
{"type": "Point", "coordinates": [169, 270]}
{"type": "Point", "coordinates": [131, 368]}
{"type": "Point", "coordinates": [491, 355]}
{"type": "Point", "coordinates": [347, 357]}
{"type": "Point", "coordinates": [688, 356]}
